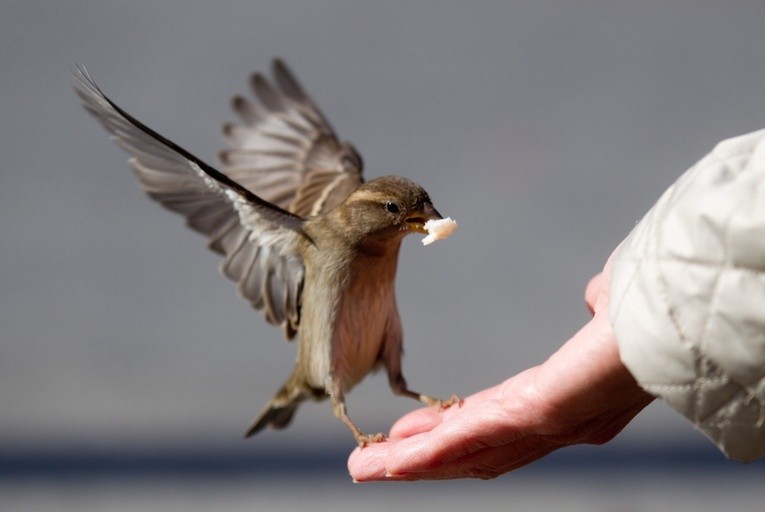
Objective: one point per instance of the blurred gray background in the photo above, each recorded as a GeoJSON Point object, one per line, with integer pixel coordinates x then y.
{"type": "Point", "coordinates": [546, 129]}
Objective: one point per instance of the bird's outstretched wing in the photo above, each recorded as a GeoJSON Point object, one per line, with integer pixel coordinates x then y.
{"type": "Point", "coordinates": [285, 150]}
{"type": "Point", "coordinates": [258, 239]}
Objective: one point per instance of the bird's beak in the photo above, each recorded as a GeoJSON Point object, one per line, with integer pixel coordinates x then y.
{"type": "Point", "coordinates": [417, 219]}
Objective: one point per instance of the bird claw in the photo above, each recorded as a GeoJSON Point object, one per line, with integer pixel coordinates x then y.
{"type": "Point", "coordinates": [441, 404]}
{"type": "Point", "coordinates": [445, 404]}
{"type": "Point", "coordinates": [365, 439]}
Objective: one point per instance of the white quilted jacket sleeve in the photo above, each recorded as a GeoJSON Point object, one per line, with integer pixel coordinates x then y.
{"type": "Point", "coordinates": [688, 297]}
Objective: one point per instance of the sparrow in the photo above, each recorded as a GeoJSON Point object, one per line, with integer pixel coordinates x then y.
{"type": "Point", "coordinates": [301, 233]}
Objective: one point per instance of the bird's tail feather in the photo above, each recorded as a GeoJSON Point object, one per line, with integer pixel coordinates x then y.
{"type": "Point", "coordinates": [279, 411]}
{"type": "Point", "coordinates": [274, 415]}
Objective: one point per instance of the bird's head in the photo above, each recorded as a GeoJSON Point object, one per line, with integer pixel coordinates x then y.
{"type": "Point", "coordinates": [386, 209]}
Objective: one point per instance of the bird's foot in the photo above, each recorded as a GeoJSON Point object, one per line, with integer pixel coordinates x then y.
{"type": "Point", "coordinates": [365, 439]}
{"type": "Point", "coordinates": [442, 404]}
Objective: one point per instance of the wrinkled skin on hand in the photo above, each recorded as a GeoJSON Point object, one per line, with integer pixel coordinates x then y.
{"type": "Point", "coordinates": [581, 394]}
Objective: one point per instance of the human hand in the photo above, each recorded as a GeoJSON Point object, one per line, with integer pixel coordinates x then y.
{"type": "Point", "coordinates": [581, 394]}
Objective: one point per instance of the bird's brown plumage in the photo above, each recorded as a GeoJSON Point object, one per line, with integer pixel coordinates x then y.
{"type": "Point", "coordinates": [302, 235]}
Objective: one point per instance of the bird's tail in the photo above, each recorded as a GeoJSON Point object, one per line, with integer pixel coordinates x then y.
{"type": "Point", "coordinates": [279, 411]}
{"type": "Point", "coordinates": [274, 416]}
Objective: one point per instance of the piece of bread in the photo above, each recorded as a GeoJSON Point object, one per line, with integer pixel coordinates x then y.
{"type": "Point", "coordinates": [438, 230]}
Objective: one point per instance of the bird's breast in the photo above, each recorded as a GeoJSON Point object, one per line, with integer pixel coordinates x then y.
{"type": "Point", "coordinates": [362, 327]}
{"type": "Point", "coordinates": [348, 313]}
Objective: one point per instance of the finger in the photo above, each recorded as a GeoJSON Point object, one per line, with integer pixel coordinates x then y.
{"type": "Point", "coordinates": [368, 463]}
{"type": "Point", "coordinates": [594, 289]}
{"type": "Point", "coordinates": [427, 418]}
{"type": "Point", "coordinates": [487, 463]}
{"type": "Point", "coordinates": [471, 429]}
{"type": "Point", "coordinates": [416, 422]}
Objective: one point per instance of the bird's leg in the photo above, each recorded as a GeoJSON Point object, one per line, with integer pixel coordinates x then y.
{"type": "Point", "coordinates": [399, 387]}
{"type": "Point", "coordinates": [339, 409]}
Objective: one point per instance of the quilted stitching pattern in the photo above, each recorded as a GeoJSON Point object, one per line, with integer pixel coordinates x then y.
{"type": "Point", "coordinates": [688, 296]}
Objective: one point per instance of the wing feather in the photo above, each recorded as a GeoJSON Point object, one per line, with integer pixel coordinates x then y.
{"type": "Point", "coordinates": [260, 241]}
{"type": "Point", "coordinates": [286, 138]}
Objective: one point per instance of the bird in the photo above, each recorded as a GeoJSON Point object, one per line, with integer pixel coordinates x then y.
{"type": "Point", "coordinates": [305, 238]}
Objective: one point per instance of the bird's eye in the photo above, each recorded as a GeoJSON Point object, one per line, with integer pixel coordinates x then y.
{"type": "Point", "coordinates": [392, 207]}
